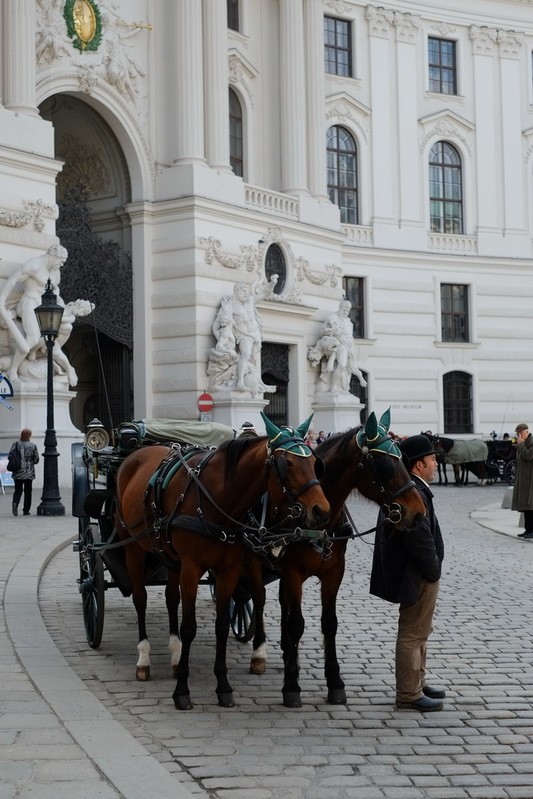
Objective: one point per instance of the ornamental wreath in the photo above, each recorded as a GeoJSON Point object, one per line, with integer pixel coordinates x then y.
{"type": "Point", "coordinates": [70, 18]}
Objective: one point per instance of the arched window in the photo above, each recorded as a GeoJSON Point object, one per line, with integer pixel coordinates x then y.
{"type": "Point", "coordinates": [342, 173]}
{"type": "Point", "coordinates": [445, 189]}
{"type": "Point", "coordinates": [275, 265]}
{"type": "Point", "coordinates": [457, 398]}
{"type": "Point", "coordinates": [235, 134]}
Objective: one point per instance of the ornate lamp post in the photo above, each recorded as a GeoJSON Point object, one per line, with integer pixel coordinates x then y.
{"type": "Point", "coordinates": [49, 315]}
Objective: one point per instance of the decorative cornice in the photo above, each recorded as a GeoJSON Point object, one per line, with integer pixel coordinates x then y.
{"type": "Point", "coordinates": [446, 126]}
{"type": "Point", "coordinates": [511, 43]}
{"type": "Point", "coordinates": [339, 7]}
{"type": "Point", "coordinates": [483, 39]}
{"type": "Point", "coordinates": [406, 26]}
{"type": "Point", "coordinates": [443, 28]}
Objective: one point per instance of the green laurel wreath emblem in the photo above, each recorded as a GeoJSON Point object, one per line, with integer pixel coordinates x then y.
{"type": "Point", "coordinates": [82, 42]}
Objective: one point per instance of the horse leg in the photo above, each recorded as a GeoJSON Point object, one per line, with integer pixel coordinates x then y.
{"type": "Point", "coordinates": [292, 628]}
{"type": "Point", "coordinates": [135, 566]}
{"type": "Point", "coordinates": [226, 582]}
{"type": "Point", "coordinates": [329, 588]}
{"type": "Point", "coordinates": [172, 598]}
{"type": "Point", "coordinates": [189, 589]}
{"type": "Point", "coordinates": [258, 593]}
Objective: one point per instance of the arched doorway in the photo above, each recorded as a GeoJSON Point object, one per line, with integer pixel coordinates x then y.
{"type": "Point", "coordinates": [275, 372]}
{"type": "Point", "coordinates": [93, 189]}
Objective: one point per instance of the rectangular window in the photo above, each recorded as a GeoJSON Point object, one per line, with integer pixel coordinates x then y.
{"type": "Point", "coordinates": [454, 312]}
{"type": "Point", "coordinates": [442, 66]}
{"type": "Point", "coordinates": [233, 14]}
{"type": "Point", "coordinates": [338, 46]}
{"type": "Point", "coordinates": [354, 290]}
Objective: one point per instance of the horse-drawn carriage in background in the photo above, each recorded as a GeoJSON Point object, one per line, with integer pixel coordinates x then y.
{"type": "Point", "coordinates": [170, 513]}
{"type": "Point", "coordinates": [489, 461]}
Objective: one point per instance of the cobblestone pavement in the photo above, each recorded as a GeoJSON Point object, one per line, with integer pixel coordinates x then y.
{"type": "Point", "coordinates": [480, 746]}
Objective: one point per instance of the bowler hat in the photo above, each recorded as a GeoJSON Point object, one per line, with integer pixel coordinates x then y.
{"type": "Point", "coordinates": [416, 447]}
{"type": "Point", "coordinates": [520, 427]}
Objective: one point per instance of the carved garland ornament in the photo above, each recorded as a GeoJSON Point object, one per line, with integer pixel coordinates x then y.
{"type": "Point", "coordinates": [35, 211]}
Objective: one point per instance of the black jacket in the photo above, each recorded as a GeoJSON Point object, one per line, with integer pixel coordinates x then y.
{"type": "Point", "coordinates": [403, 558]}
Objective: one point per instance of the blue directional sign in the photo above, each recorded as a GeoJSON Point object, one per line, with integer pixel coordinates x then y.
{"type": "Point", "coordinates": [6, 390]}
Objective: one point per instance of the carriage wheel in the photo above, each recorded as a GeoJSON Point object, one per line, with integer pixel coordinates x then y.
{"type": "Point", "coordinates": [509, 472]}
{"type": "Point", "coordinates": [242, 619]}
{"type": "Point", "coordinates": [92, 587]}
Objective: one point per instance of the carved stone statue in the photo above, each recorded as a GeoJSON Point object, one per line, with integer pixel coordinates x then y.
{"type": "Point", "coordinates": [335, 352]}
{"type": "Point", "coordinates": [235, 361]}
{"type": "Point", "coordinates": [51, 42]}
{"type": "Point", "coordinates": [22, 350]}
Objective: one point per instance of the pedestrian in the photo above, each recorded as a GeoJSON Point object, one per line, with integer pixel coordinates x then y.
{"type": "Point", "coordinates": [25, 475]}
{"type": "Point", "coordinates": [321, 437]}
{"type": "Point", "coordinates": [522, 500]}
{"type": "Point", "coordinates": [406, 569]}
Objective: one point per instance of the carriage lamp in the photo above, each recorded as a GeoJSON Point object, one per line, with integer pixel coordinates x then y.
{"type": "Point", "coordinates": [96, 436]}
{"type": "Point", "coordinates": [49, 314]}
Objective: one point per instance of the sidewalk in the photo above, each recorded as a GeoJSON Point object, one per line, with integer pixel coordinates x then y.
{"type": "Point", "coordinates": [56, 739]}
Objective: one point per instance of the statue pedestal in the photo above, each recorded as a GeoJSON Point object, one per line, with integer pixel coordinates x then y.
{"type": "Point", "coordinates": [335, 413]}
{"type": "Point", "coordinates": [29, 410]}
{"type": "Point", "coordinates": [236, 407]}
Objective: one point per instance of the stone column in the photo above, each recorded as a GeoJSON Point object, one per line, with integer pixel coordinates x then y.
{"type": "Point", "coordinates": [407, 131]}
{"type": "Point", "coordinates": [514, 205]}
{"type": "Point", "coordinates": [19, 56]}
{"type": "Point", "coordinates": [384, 175]}
{"type": "Point", "coordinates": [216, 106]}
{"type": "Point", "coordinates": [315, 84]}
{"type": "Point", "coordinates": [189, 82]}
{"type": "Point", "coordinates": [292, 91]}
{"type": "Point", "coordinates": [484, 48]}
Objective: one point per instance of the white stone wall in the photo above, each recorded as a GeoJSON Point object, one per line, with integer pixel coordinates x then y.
{"type": "Point", "coordinates": [171, 122]}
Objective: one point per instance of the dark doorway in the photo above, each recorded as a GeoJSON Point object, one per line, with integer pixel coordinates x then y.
{"type": "Point", "coordinates": [275, 372]}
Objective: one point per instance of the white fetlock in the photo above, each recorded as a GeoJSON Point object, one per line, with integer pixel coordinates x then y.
{"type": "Point", "coordinates": [174, 647]}
{"type": "Point", "coordinates": [259, 660]}
{"type": "Point", "coordinates": [143, 663]}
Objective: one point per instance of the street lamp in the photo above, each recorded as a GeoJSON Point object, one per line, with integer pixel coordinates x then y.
{"type": "Point", "coordinates": [49, 315]}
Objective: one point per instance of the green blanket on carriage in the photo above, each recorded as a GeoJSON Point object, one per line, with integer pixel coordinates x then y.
{"type": "Point", "coordinates": [154, 431]}
{"type": "Point", "coordinates": [467, 451]}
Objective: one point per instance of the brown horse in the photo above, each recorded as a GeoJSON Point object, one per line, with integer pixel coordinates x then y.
{"type": "Point", "coordinates": [191, 511]}
{"type": "Point", "coordinates": [363, 459]}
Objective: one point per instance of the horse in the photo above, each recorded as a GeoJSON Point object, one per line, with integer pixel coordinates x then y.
{"type": "Point", "coordinates": [468, 455]}
{"type": "Point", "coordinates": [189, 508]}
{"type": "Point", "coordinates": [364, 459]}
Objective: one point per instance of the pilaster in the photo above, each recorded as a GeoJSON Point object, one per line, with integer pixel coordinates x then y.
{"type": "Point", "coordinates": [293, 105]}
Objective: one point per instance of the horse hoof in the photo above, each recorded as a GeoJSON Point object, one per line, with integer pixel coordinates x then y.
{"type": "Point", "coordinates": [143, 673]}
{"type": "Point", "coordinates": [226, 700]}
{"type": "Point", "coordinates": [182, 702]}
{"type": "Point", "coordinates": [337, 696]}
{"type": "Point", "coordinates": [292, 699]}
{"type": "Point", "coordinates": [257, 666]}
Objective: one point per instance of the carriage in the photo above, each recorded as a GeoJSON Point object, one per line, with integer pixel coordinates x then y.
{"type": "Point", "coordinates": [201, 515]}
{"type": "Point", "coordinates": [95, 463]}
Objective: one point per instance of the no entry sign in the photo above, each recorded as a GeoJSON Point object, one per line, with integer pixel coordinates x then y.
{"type": "Point", "coordinates": [205, 403]}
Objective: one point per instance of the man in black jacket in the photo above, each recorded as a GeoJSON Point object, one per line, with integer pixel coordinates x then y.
{"type": "Point", "coordinates": [406, 569]}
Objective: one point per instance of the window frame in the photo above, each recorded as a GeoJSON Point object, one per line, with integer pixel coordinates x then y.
{"type": "Point", "coordinates": [341, 67]}
{"type": "Point", "coordinates": [236, 158]}
{"type": "Point", "coordinates": [457, 419]}
{"type": "Point", "coordinates": [443, 197]}
{"type": "Point", "coordinates": [233, 15]}
{"type": "Point", "coordinates": [436, 84]}
{"type": "Point", "coordinates": [350, 215]}
{"type": "Point", "coordinates": [355, 286]}
{"type": "Point", "coordinates": [455, 313]}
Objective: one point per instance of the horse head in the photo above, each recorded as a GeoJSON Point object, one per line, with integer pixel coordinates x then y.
{"type": "Point", "coordinates": [294, 473]}
{"type": "Point", "coordinates": [379, 473]}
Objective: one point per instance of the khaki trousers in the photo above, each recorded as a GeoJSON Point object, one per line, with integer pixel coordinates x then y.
{"type": "Point", "coordinates": [414, 628]}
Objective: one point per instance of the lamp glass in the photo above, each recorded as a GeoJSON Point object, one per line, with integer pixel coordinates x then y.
{"type": "Point", "coordinates": [49, 313]}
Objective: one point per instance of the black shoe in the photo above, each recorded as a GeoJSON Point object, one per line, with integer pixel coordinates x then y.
{"type": "Point", "coordinates": [523, 535]}
{"type": "Point", "coordinates": [15, 509]}
{"type": "Point", "coordinates": [26, 513]}
{"type": "Point", "coordinates": [434, 693]}
{"type": "Point", "coordinates": [423, 705]}
{"type": "Point", "coordinates": [526, 536]}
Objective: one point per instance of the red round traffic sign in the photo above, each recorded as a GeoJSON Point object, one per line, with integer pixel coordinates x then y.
{"type": "Point", "coordinates": [205, 402]}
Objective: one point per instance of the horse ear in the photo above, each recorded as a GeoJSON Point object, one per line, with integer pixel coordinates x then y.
{"type": "Point", "coordinates": [304, 427]}
{"type": "Point", "coordinates": [271, 430]}
{"type": "Point", "coordinates": [371, 427]}
{"type": "Point", "coordinates": [385, 420]}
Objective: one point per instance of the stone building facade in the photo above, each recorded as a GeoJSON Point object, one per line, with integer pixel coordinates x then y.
{"type": "Point", "coordinates": [382, 152]}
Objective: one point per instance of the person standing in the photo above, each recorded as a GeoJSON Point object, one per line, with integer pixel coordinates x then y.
{"type": "Point", "coordinates": [406, 569]}
{"type": "Point", "coordinates": [522, 500]}
{"type": "Point", "coordinates": [25, 476]}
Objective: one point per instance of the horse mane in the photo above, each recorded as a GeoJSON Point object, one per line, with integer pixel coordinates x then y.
{"type": "Point", "coordinates": [338, 441]}
{"type": "Point", "coordinates": [234, 449]}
